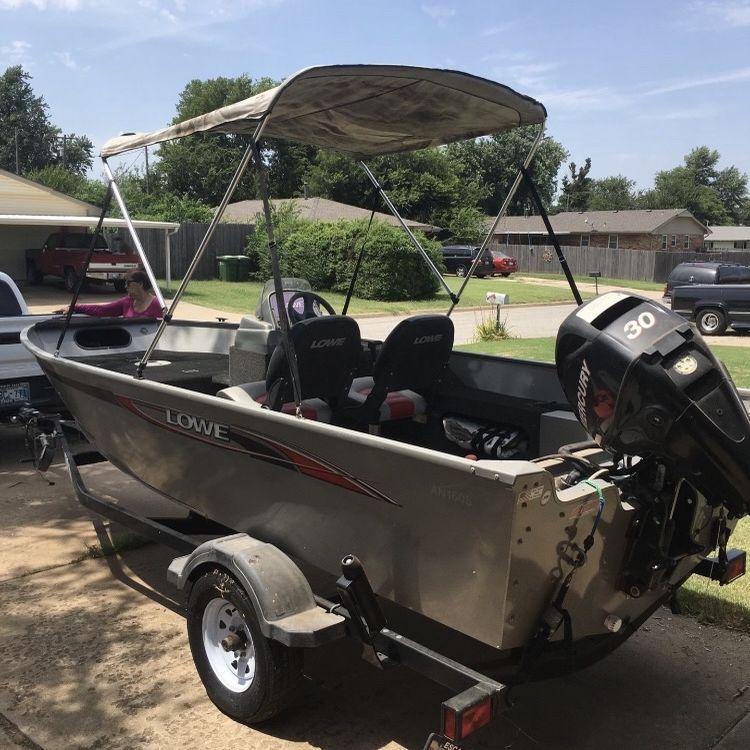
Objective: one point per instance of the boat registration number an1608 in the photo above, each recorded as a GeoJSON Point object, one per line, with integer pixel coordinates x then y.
{"type": "Point", "coordinates": [199, 425]}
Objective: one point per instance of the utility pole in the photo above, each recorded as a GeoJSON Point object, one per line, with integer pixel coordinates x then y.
{"type": "Point", "coordinates": [65, 143]}
{"type": "Point", "coordinates": [17, 164]}
{"type": "Point", "coordinates": [145, 148]}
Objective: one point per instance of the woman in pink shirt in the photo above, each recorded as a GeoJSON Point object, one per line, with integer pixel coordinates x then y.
{"type": "Point", "coordinates": [139, 303]}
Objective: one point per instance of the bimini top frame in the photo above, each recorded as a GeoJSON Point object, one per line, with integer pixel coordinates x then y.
{"type": "Point", "coordinates": [363, 111]}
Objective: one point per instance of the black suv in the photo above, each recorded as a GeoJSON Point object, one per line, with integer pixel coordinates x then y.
{"type": "Point", "coordinates": [458, 260]}
{"type": "Point", "coordinates": [686, 274]}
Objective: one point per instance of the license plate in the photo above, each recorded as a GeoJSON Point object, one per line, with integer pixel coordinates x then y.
{"type": "Point", "coordinates": [12, 393]}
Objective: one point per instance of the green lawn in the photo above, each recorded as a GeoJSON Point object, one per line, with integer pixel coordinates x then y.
{"type": "Point", "coordinates": [736, 358]}
{"type": "Point", "coordinates": [242, 296]}
{"type": "Point", "coordinates": [651, 286]}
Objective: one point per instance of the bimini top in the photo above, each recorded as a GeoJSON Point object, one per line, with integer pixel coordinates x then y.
{"type": "Point", "coordinates": [363, 111]}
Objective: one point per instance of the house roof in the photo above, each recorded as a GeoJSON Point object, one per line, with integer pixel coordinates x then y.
{"type": "Point", "coordinates": [602, 222]}
{"type": "Point", "coordinates": [730, 234]}
{"type": "Point", "coordinates": [316, 209]}
{"type": "Point", "coordinates": [19, 195]}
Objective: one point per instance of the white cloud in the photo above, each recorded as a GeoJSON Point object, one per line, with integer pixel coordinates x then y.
{"type": "Point", "coordinates": [499, 29]}
{"type": "Point", "coordinates": [15, 53]}
{"type": "Point", "coordinates": [677, 114]}
{"type": "Point", "coordinates": [439, 13]}
{"type": "Point", "coordinates": [42, 4]}
{"type": "Point", "coordinates": [67, 60]}
{"type": "Point", "coordinates": [730, 76]}
{"type": "Point", "coordinates": [731, 14]}
{"type": "Point", "coordinates": [532, 74]}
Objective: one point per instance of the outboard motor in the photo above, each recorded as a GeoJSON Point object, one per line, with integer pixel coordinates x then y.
{"type": "Point", "coordinates": [644, 383]}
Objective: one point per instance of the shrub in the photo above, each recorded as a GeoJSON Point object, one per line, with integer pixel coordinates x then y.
{"type": "Point", "coordinates": [326, 255]}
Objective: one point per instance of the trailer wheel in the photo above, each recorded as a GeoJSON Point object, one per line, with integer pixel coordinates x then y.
{"type": "Point", "coordinates": [248, 677]}
{"type": "Point", "coordinates": [461, 271]}
{"type": "Point", "coordinates": [711, 321]}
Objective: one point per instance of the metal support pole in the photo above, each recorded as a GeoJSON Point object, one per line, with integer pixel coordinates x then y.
{"type": "Point", "coordinates": [561, 257]}
{"type": "Point", "coordinates": [197, 257]}
{"type": "Point", "coordinates": [501, 213]}
{"type": "Point", "coordinates": [133, 234]}
{"type": "Point", "coordinates": [82, 277]}
{"type": "Point", "coordinates": [291, 355]}
{"type": "Point", "coordinates": [408, 231]}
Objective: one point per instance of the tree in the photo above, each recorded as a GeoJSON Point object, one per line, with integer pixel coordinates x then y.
{"type": "Point", "coordinates": [76, 186]}
{"type": "Point", "coordinates": [487, 167]}
{"type": "Point", "coordinates": [423, 185]}
{"type": "Point", "coordinates": [612, 194]}
{"type": "Point", "coordinates": [576, 189]}
{"type": "Point", "coordinates": [201, 167]}
{"type": "Point", "coordinates": [711, 195]}
{"type": "Point", "coordinates": [466, 225]}
{"type": "Point", "coordinates": [24, 122]}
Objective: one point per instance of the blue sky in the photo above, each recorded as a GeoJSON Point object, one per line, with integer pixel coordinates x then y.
{"type": "Point", "coordinates": [634, 85]}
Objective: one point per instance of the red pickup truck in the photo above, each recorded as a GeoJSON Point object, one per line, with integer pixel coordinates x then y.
{"type": "Point", "coordinates": [64, 254]}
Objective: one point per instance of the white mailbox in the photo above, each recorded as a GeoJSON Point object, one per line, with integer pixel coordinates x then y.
{"type": "Point", "coordinates": [495, 298]}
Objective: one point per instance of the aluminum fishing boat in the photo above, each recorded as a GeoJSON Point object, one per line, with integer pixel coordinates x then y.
{"type": "Point", "coordinates": [519, 517]}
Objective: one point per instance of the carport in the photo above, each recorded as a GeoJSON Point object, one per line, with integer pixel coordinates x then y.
{"type": "Point", "coordinates": [21, 231]}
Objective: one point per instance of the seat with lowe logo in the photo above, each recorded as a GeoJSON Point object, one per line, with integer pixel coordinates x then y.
{"type": "Point", "coordinates": [327, 350]}
{"type": "Point", "coordinates": [406, 372]}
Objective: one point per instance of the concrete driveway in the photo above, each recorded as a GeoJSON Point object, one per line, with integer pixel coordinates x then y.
{"type": "Point", "coordinates": [93, 654]}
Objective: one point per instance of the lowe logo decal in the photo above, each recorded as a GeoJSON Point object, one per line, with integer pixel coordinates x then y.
{"type": "Point", "coordinates": [583, 384]}
{"type": "Point", "coordinates": [428, 339]}
{"type": "Point", "coordinates": [200, 425]}
{"type": "Point", "coordinates": [323, 343]}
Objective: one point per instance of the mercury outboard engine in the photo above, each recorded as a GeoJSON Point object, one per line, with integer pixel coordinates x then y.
{"type": "Point", "coordinates": [644, 383]}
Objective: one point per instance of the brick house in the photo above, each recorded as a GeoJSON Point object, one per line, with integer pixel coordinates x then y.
{"type": "Point", "coordinates": [642, 229]}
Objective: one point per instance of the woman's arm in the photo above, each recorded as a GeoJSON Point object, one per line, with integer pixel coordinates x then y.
{"type": "Point", "coordinates": [103, 310]}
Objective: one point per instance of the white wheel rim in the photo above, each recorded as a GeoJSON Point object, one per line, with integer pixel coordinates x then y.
{"type": "Point", "coordinates": [234, 669]}
{"type": "Point", "coordinates": [711, 321]}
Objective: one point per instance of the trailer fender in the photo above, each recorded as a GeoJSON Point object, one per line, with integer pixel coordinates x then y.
{"type": "Point", "coordinates": [282, 597]}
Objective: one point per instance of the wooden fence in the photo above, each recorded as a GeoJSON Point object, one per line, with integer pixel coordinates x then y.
{"type": "Point", "coordinates": [623, 263]}
{"type": "Point", "coordinates": [228, 239]}
{"type": "Point", "coordinates": [632, 265]}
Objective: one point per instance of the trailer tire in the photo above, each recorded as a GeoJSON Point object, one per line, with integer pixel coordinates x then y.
{"type": "Point", "coordinates": [711, 321]}
{"type": "Point", "coordinates": [217, 607]}
{"type": "Point", "coordinates": [461, 270]}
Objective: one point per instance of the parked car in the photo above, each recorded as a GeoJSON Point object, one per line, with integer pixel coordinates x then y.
{"type": "Point", "coordinates": [458, 260]}
{"type": "Point", "coordinates": [22, 381]}
{"type": "Point", "coordinates": [713, 307]}
{"type": "Point", "coordinates": [701, 272]}
{"type": "Point", "coordinates": [64, 255]}
{"type": "Point", "coordinates": [505, 265]}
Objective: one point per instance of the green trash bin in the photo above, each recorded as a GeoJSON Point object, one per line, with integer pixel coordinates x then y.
{"type": "Point", "coordinates": [243, 267]}
{"type": "Point", "coordinates": [227, 267]}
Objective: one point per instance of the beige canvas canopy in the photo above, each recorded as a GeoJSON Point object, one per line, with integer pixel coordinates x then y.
{"type": "Point", "coordinates": [363, 111]}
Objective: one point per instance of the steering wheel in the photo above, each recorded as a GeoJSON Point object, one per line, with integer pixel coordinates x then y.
{"type": "Point", "coordinates": [309, 311]}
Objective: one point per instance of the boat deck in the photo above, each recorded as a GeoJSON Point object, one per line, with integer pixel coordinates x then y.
{"type": "Point", "coordinates": [203, 372]}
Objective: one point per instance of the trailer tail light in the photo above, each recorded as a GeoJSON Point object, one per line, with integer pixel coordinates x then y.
{"type": "Point", "coordinates": [724, 573]}
{"type": "Point", "coordinates": [736, 566]}
{"type": "Point", "coordinates": [467, 712]}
